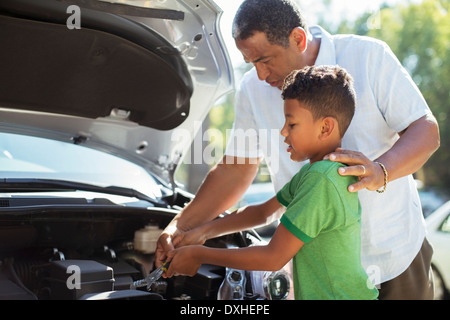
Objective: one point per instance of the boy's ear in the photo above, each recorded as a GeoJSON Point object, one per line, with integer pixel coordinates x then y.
{"type": "Point", "coordinates": [328, 126]}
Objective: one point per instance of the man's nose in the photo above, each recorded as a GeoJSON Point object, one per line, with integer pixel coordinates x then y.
{"type": "Point", "coordinates": [262, 71]}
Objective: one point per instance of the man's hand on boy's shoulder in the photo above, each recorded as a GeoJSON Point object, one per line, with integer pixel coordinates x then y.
{"type": "Point", "coordinates": [370, 174]}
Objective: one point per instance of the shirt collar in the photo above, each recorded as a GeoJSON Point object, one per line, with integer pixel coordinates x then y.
{"type": "Point", "coordinates": [327, 53]}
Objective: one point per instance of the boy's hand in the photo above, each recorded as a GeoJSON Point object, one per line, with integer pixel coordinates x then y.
{"type": "Point", "coordinates": [183, 261]}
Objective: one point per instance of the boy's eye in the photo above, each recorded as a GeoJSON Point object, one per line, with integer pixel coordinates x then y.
{"type": "Point", "coordinates": [291, 125]}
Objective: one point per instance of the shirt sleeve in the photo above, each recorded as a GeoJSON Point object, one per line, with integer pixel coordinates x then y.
{"type": "Point", "coordinates": [312, 208]}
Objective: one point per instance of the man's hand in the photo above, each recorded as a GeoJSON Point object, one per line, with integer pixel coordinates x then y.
{"type": "Point", "coordinates": [370, 174]}
{"type": "Point", "coordinates": [165, 241]}
{"type": "Point", "coordinates": [191, 237]}
{"type": "Point", "coordinates": [409, 153]}
{"type": "Point", "coordinates": [163, 246]}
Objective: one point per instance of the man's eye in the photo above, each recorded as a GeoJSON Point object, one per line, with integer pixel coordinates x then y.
{"type": "Point", "coordinates": [291, 125]}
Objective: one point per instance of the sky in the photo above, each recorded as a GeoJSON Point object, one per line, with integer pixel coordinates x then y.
{"type": "Point", "coordinates": [312, 9]}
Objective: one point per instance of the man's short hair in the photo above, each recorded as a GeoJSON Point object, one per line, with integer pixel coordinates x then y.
{"type": "Point", "coordinates": [327, 91]}
{"type": "Point", "coordinates": [275, 18]}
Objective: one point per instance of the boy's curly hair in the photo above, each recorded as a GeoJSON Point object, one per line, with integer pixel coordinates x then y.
{"type": "Point", "coordinates": [327, 91]}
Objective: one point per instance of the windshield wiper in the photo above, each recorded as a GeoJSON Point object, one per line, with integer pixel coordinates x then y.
{"type": "Point", "coordinates": [33, 185]}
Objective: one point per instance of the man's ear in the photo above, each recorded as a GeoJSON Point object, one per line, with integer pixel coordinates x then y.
{"type": "Point", "coordinates": [300, 39]}
{"type": "Point", "coordinates": [328, 126]}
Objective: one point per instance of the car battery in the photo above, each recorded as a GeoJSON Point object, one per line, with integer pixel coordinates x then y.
{"type": "Point", "coordinates": [71, 279]}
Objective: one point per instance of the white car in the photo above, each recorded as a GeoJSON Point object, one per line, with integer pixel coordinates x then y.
{"type": "Point", "coordinates": [438, 224]}
{"type": "Point", "coordinates": [99, 103]}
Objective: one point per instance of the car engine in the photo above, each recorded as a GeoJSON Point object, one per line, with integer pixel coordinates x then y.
{"type": "Point", "coordinates": [93, 251]}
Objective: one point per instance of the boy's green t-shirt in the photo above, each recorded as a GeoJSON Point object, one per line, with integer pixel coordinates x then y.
{"type": "Point", "coordinates": [326, 217]}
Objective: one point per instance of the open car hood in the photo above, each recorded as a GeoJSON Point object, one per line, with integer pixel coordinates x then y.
{"type": "Point", "coordinates": [133, 74]}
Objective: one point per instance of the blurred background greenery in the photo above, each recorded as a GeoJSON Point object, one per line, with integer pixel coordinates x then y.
{"type": "Point", "coordinates": [419, 34]}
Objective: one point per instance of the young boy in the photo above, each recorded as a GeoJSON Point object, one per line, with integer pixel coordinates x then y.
{"type": "Point", "coordinates": [320, 228]}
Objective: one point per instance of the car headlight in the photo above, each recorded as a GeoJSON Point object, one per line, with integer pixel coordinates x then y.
{"type": "Point", "coordinates": [257, 285]}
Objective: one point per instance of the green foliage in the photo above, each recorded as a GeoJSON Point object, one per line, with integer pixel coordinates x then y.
{"type": "Point", "coordinates": [221, 117]}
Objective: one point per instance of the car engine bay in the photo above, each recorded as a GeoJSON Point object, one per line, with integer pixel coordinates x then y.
{"type": "Point", "coordinates": [93, 251]}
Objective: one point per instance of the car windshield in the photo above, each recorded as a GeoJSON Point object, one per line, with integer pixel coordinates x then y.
{"type": "Point", "coordinates": [31, 157]}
